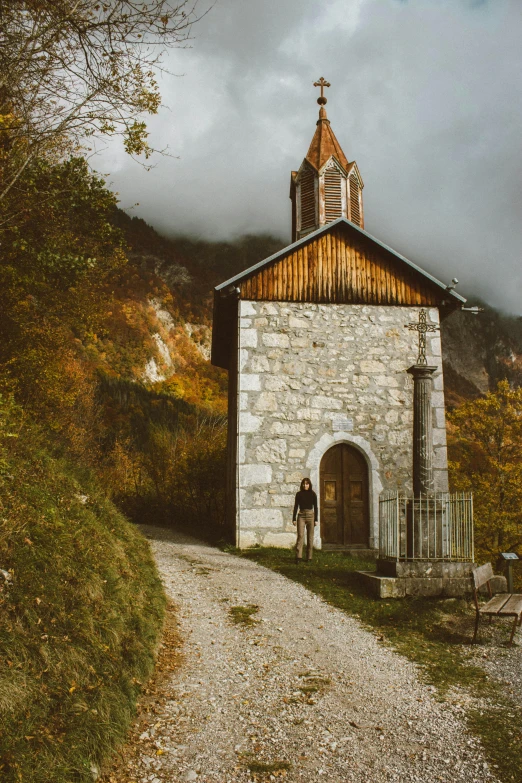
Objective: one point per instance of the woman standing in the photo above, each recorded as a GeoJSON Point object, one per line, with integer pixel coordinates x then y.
{"type": "Point", "coordinates": [305, 516]}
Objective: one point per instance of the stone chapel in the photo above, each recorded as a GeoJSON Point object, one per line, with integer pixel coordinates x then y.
{"type": "Point", "coordinates": [317, 347]}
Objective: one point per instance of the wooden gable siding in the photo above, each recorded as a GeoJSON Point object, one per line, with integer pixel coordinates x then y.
{"type": "Point", "coordinates": [337, 268]}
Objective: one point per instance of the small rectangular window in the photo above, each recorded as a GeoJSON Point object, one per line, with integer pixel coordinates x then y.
{"type": "Point", "coordinates": [330, 493]}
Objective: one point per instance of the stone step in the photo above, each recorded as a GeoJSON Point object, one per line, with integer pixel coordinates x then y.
{"type": "Point", "coordinates": [382, 586]}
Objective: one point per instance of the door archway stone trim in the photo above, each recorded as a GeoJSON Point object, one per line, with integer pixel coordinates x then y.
{"type": "Point", "coordinates": [313, 463]}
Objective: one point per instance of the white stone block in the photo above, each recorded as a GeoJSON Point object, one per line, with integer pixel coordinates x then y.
{"type": "Point", "coordinates": [440, 417]}
{"type": "Point", "coordinates": [248, 338]}
{"type": "Point", "coordinates": [249, 382]}
{"type": "Point", "coordinates": [286, 501]}
{"type": "Point", "coordinates": [247, 539]}
{"type": "Point", "coordinates": [397, 396]}
{"type": "Point", "coordinates": [297, 453]}
{"type": "Point", "coordinates": [387, 381]}
{"type": "Point", "coordinates": [439, 436]}
{"type": "Point", "coordinates": [437, 399]}
{"type": "Point", "coordinates": [297, 323]}
{"type": "Point", "coordinates": [282, 540]}
{"type": "Point", "coordinates": [260, 363]}
{"type": "Point", "coordinates": [245, 323]}
{"type": "Point", "coordinates": [241, 444]}
{"type": "Point", "coordinates": [243, 359]}
{"type": "Point", "coordinates": [247, 308]}
{"type": "Point", "coordinates": [309, 414]}
{"type": "Point", "coordinates": [243, 401]}
{"type": "Point", "coordinates": [275, 383]}
{"type": "Point", "coordinates": [292, 401]}
{"type": "Point", "coordinates": [295, 477]}
{"type": "Point", "coordinates": [391, 417]}
{"type": "Point", "coordinates": [259, 498]}
{"type": "Point", "coordinates": [269, 309]}
{"type": "Point", "coordinates": [360, 381]}
{"type": "Point", "coordinates": [275, 340]}
{"type": "Point", "coordinates": [272, 450]}
{"type": "Point", "coordinates": [399, 438]}
{"type": "Point", "coordinates": [300, 342]}
{"type": "Point", "coordinates": [371, 365]}
{"type": "Point", "coordinates": [249, 423]}
{"type": "Point", "coordinates": [249, 475]}
{"type": "Point", "coordinates": [266, 401]}
{"type": "Point", "coordinates": [440, 457]}
{"type": "Point", "coordinates": [261, 517]}
{"type": "Point", "coordinates": [330, 403]}
{"type": "Point", "coordinates": [288, 428]}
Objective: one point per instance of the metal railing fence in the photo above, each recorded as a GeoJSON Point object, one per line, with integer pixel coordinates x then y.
{"type": "Point", "coordinates": [437, 526]}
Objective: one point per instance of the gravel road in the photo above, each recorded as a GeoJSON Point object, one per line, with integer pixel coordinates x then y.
{"type": "Point", "coordinates": [305, 690]}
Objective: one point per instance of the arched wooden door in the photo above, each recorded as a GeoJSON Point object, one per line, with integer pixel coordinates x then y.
{"type": "Point", "coordinates": [344, 497]}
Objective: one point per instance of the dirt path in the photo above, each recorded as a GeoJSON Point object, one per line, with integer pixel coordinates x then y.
{"type": "Point", "coordinates": [304, 693]}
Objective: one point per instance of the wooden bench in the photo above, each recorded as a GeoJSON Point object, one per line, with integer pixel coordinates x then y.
{"type": "Point", "coordinates": [500, 605]}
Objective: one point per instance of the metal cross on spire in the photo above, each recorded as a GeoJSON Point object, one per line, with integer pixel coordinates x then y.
{"type": "Point", "coordinates": [422, 327]}
{"type": "Point", "coordinates": [322, 83]}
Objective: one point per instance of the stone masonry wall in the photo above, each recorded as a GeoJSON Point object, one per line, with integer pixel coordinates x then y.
{"type": "Point", "coordinates": [314, 375]}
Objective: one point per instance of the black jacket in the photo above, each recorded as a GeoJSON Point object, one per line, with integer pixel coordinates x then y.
{"type": "Point", "coordinates": [304, 500]}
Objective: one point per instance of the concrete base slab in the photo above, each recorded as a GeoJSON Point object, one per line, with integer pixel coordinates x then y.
{"type": "Point", "coordinates": [382, 586]}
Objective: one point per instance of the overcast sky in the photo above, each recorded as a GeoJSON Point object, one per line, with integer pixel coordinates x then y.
{"type": "Point", "coordinates": [426, 96]}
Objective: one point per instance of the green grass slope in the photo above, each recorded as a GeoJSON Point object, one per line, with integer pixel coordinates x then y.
{"type": "Point", "coordinates": [81, 609]}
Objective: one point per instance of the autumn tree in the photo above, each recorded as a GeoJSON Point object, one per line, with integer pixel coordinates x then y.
{"type": "Point", "coordinates": [71, 69]}
{"type": "Point", "coordinates": [57, 264]}
{"type": "Point", "coordinates": [486, 458]}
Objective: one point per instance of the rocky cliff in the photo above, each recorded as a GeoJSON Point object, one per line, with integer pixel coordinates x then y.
{"type": "Point", "coordinates": [479, 350]}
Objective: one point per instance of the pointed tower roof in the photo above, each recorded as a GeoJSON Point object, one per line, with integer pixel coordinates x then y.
{"type": "Point", "coordinates": [324, 145]}
{"type": "Point", "coordinates": [327, 186]}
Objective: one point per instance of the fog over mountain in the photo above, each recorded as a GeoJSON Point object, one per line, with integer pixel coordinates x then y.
{"type": "Point", "coordinates": [426, 96]}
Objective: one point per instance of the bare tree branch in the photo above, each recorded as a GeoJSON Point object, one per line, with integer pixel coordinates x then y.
{"type": "Point", "coordinates": [74, 69]}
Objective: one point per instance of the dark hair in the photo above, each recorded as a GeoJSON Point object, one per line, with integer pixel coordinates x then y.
{"type": "Point", "coordinates": [303, 481]}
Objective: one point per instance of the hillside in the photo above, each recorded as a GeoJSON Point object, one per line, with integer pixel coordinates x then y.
{"type": "Point", "coordinates": [479, 350]}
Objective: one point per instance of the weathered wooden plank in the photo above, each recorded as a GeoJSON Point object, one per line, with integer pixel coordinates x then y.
{"type": "Point", "coordinates": [338, 268]}
{"type": "Point", "coordinates": [318, 283]}
{"type": "Point", "coordinates": [284, 278]}
{"type": "Point", "coordinates": [513, 606]}
{"type": "Point", "coordinates": [306, 276]}
{"type": "Point", "coordinates": [494, 606]}
{"type": "Point", "coordinates": [295, 284]}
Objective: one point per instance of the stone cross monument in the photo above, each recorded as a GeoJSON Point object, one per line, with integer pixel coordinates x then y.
{"type": "Point", "coordinates": [422, 411]}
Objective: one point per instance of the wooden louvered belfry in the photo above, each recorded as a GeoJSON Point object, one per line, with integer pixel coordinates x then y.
{"type": "Point", "coordinates": [327, 186]}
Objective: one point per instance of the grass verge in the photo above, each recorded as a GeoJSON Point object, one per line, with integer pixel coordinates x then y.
{"type": "Point", "coordinates": [433, 633]}
{"type": "Point", "coordinates": [80, 616]}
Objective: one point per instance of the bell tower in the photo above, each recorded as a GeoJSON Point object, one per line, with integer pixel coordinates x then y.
{"type": "Point", "coordinates": [327, 186]}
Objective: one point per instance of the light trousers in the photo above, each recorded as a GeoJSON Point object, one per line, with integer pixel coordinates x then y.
{"type": "Point", "coordinates": [305, 520]}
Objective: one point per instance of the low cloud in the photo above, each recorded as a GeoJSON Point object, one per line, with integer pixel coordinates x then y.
{"type": "Point", "coordinates": [426, 96]}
